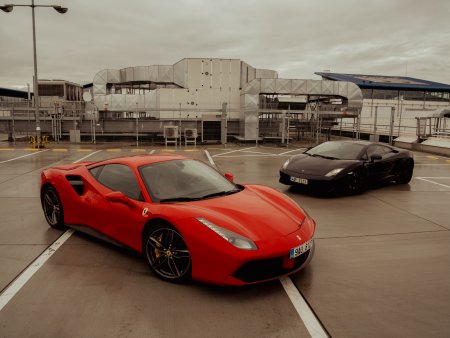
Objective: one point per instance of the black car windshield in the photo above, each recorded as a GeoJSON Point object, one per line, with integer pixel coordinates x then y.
{"type": "Point", "coordinates": [184, 180]}
{"type": "Point", "coordinates": [337, 150]}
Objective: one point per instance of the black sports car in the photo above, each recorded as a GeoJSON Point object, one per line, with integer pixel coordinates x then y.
{"type": "Point", "coordinates": [350, 166]}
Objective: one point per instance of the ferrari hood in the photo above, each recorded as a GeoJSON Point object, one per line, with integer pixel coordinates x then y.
{"type": "Point", "coordinates": [256, 212]}
{"type": "Point", "coordinates": [318, 166]}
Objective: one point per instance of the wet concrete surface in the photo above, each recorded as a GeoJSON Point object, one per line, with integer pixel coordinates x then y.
{"type": "Point", "coordinates": [381, 266]}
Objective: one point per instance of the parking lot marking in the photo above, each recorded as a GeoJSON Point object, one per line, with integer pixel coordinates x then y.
{"type": "Point", "coordinates": [89, 155]}
{"type": "Point", "coordinates": [138, 150]}
{"type": "Point", "coordinates": [308, 317]}
{"type": "Point", "coordinates": [23, 278]}
{"type": "Point", "coordinates": [60, 149]}
{"type": "Point", "coordinates": [433, 157]}
{"type": "Point", "coordinates": [430, 181]}
{"type": "Point", "coordinates": [259, 153]}
{"type": "Point", "coordinates": [6, 148]}
{"type": "Point", "coordinates": [209, 158]}
{"type": "Point", "coordinates": [291, 151]}
{"type": "Point", "coordinates": [16, 158]}
{"type": "Point", "coordinates": [152, 151]}
{"type": "Point", "coordinates": [84, 150]}
{"type": "Point", "coordinates": [232, 151]}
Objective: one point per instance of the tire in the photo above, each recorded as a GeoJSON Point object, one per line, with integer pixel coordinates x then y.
{"type": "Point", "coordinates": [53, 208]}
{"type": "Point", "coordinates": [167, 253]}
{"type": "Point", "coordinates": [356, 183]}
{"type": "Point", "coordinates": [406, 172]}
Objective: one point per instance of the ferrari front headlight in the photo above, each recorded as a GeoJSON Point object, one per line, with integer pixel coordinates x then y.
{"type": "Point", "coordinates": [233, 238]}
{"type": "Point", "coordinates": [285, 164]}
{"type": "Point", "coordinates": [334, 172]}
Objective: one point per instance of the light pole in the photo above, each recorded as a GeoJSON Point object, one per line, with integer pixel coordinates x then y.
{"type": "Point", "coordinates": [8, 8]}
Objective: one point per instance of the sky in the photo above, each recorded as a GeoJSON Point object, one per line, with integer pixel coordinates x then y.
{"type": "Point", "coordinates": [296, 38]}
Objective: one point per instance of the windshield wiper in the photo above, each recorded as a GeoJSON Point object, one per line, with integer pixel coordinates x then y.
{"type": "Point", "coordinates": [179, 199]}
{"type": "Point", "coordinates": [221, 193]}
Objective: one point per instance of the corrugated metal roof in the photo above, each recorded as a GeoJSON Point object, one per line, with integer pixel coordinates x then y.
{"type": "Point", "coordinates": [13, 93]}
{"type": "Point", "coordinates": [386, 82]}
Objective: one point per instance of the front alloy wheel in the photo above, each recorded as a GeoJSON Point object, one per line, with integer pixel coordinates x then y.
{"type": "Point", "coordinates": [356, 183]}
{"type": "Point", "coordinates": [167, 253]}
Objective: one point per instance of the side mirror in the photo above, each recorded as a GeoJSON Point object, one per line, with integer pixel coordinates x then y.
{"type": "Point", "coordinates": [374, 158]}
{"type": "Point", "coordinates": [229, 177]}
{"type": "Point", "coordinates": [119, 197]}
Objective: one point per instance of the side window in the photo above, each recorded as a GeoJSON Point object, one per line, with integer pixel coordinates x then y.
{"type": "Point", "coordinates": [375, 150]}
{"type": "Point", "coordinates": [118, 177]}
{"type": "Point", "coordinates": [95, 171]}
{"type": "Point", "coordinates": [386, 150]}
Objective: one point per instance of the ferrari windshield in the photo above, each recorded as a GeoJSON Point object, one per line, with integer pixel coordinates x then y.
{"type": "Point", "coordinates": [337, 150]}
{"type": "Point", "coordinates": [184, 180]}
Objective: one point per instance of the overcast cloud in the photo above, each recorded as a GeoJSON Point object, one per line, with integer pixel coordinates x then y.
{"type": "Point", "coordinates": [294, 37]}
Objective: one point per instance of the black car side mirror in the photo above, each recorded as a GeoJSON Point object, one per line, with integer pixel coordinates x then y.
{"type": "Point", "coordinates": [374, 158]}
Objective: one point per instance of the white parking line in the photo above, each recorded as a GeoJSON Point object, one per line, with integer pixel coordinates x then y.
{"type": "Point", "coordinates": [232, 151]}
{"type": "Point", "coordinates": [89, 155]}
{"type": "Point", "coordinates": [291, 151]}
{"type": "Point", "coordinates": [25, 276]}
{"type": "Point", "coordinates": [16, 158]}
{"type": "Point", "coordinates": [209, 158]}
{"type": "Point", "coordinates": [259, 153]}
{"type": "Point", "coordinates": [430, 181]}
{"type": "Point", "coordinates": [308, 317]}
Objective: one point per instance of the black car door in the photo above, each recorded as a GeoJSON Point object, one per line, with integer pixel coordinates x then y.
{"type": "Point", "coordinates": [381, 160]}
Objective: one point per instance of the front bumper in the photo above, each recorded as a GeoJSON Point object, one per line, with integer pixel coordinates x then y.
{"type": "Point", "coordinates": [315, 183]}
{"type": "Point", "coordinates": [261, 270]}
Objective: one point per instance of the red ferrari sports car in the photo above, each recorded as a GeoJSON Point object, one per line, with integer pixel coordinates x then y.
{"type": "Point", "coordinates": [183, 216]}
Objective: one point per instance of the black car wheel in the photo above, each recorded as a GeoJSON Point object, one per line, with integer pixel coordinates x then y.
{"type": "Point", "coordinates": [53, 209]}
{"type": "Point", "coordinates": [167, 253]}
{"type": "Point", "coordinates": [406, 172]}
{"type": "Point", "coordinates": [356, 183]}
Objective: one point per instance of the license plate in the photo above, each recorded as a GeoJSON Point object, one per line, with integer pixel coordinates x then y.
{"type": "Point", "coordinates": [297, 251]}
{"type": "Point", "coordinates": [299, 180]}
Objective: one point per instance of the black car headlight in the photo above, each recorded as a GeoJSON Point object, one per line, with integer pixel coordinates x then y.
{"type": "Point", "coordinates": [233, 238]}
{"type": "Point", "coordinates": [285, 164]}
{"type": "Point", "coordinates": [334, 172]}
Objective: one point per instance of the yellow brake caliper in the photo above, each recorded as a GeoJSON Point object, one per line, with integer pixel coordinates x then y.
{"type": "Point", "coordinates": [158, 252]}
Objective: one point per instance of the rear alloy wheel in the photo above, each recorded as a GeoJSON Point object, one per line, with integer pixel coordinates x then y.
{"type": "Point", "coordinates": [167, 253]}
{"type": "Point", "coordinates": [356, 183]}
{"type": "Point", "coordinates": [53, 209]}
{"type": "Point", "coordinates": [406, 172]}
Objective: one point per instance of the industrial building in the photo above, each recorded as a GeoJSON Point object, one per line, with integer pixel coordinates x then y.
{"type": "Point", "coordinates": [212, 99]}
{"type": "Point", "coordinates": [206, 89]}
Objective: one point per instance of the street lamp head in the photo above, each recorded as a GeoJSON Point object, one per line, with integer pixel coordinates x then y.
{"type": "Point", "coordinates": [7, 8]}
{"type": "Point", "coordinates": [60, 9]}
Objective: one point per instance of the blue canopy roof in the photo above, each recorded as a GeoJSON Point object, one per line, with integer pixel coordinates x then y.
{"type": "Point", "coordinates": [387, 82]}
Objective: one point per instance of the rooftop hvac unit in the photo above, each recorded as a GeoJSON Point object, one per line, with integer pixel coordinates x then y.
{"type": "Point", "coordinates": [190, 133]}
{"type": "Point", "coordinates": [170, 132]}
{"type": "Point", "coordinates": [190, 136]}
